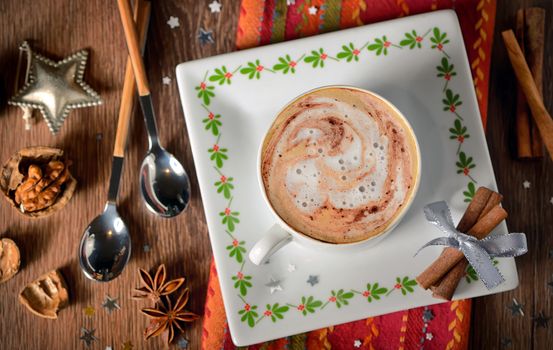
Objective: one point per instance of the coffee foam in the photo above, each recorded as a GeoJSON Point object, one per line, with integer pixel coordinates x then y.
{"type": "Point", "coordinates": [333, 167]}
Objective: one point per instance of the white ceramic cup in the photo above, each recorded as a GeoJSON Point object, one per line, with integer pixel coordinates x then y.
{"type": "Point", "coordinates": [280, 233]}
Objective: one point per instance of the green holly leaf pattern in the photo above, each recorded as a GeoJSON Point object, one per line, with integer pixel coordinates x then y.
{"type": "Point", "coordinates": [205, 92]}
{"type": "Point", "coordinates": [276, 311]}
{"type": "Point", "coordinates": [458, 132]}
{"type": "Point", "coordinates": [286, 64]}
{"type": "Point", "coordinates": [218, 155]}
{"type": "Point", "coordinates": [451, 102]}
{"type": "Point", "coordinates": [213, 123]}
{"type": "Point", "coordinates": [308, 305]}
{"type": "Point", "coordinates": [221, 76]}
{"type": "Point", "coordinates": [237, 250]}
{"type": "Point", "coordinates": [405, 285]}
{"type": "Point", "coordinates": [249, 314]}
{"type": "Point", "coordinates": [349, 53]}
{"type": "Point", "coordinates": [374, 291]}
{"type": "Point", "coordinates": [464, 165]}
{"type": "Point", "coordinates": [446, 71]}
{"type": "Point", "coordinates": [225, 186]}
{"type": "Point", "coordinates": [438, 40]}
{"type": "Point", "coordinates": [253, 70]}
{"type": "Point", "coordinates": [242, 282]}
{"type": "Point", "coordinates": [412, 40]}
{"type": "Point", "coordinates": [340, 298]}
{"type": "Point", "coordinates": [381, 45]}
{"type": "Point", "coordinates": [230, 218]}
{"type": "Point", "coordinates": [317, 58]}
{"type": "Point", "coordinates": [470, 192]}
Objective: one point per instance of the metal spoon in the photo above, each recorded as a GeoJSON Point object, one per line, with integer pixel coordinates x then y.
{"type": "Point", "coordinates": [105, 246]}
{"type": "Point", "coordinates": [164, 184]}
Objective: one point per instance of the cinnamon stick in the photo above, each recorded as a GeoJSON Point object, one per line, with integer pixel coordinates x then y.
{"type": "Point", "coordinates": [437, 270]}
{"type": "Point", "coordinates": [528, 86]}
{"type": "Point", "coordinates": [529, 33]}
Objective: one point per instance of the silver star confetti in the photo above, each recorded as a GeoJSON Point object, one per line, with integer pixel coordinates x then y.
{"type": "Point", "coordinates": [291, 267]}
{"type": "Point", "coordinates": [506, 342]}
{"type": "Point", "coordinates": [516, 308]}
{"type": "Point", "coordinates": [429, 336]}
{"type": "Point", "coordinates": [56, 87]}
{"type": "Point", "coordinates": [274, 285]}
{"type": "Point", "coordinates": [146, 248]}
{"type": "Point", "coordinates": [205, 36]}
{"type": "Point", "coordinates": [313, 10]}
{"type": "Point", "coordinates": [166, 80]}
{"type": "Point", "coordinates": [215, 6]}
{"type": "Point", "coordinates": [173, 22]}
{"type": "Point", "coordinates": [87, 335]}
{"type": "Point", "coordinates": [110, 304]}
{"type": "Point", "coordinates": [541, 320]}
{"type": "Point", "coordinates": [108, 348]}
{"type": "Point", "coordinates": [313, 280]}
{"type": "Point", "coordinates": [427, 315]}
{"type": "Point", "coordinates": [182, 343]}
{"type": "Point", "coordinates": [357, 343]}
{"type": "Point", "coordinates": [526, 184]}
{"type": "Point", "coordinates": [290, 2]}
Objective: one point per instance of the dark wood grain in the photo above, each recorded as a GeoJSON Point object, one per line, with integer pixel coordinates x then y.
{"type": "Point", "coordinates": [58, 28]}
{"type": "Point", "coordinates": [530, 210]}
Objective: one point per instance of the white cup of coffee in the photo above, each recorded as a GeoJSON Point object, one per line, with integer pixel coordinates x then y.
{"type": "Point", "coordinates": [338, 167]}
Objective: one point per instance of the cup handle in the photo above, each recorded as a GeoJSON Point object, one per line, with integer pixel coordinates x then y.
{"type": "Point", "coordinates": [275, 238]}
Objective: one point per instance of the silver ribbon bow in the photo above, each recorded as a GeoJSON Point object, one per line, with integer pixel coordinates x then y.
{"type": "Point", "coordinates": [478, 252]}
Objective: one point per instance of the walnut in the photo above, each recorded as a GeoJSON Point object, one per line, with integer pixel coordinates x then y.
{"type": "Point", "coordinates": [37, 181]}
{"type": "Point", "coordinates": [10, 259]}
{"type": "Point", "coordinates": [46, 295]}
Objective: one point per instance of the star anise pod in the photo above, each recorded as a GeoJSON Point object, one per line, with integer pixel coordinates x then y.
{"type": "Point", "coordinates": [154, 288]}
{"type": "Point", "coordinates": [166, 317]}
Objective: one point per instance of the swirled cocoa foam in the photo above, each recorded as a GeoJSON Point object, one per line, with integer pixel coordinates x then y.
{"type": "Point", "coordinates": [338, 165]}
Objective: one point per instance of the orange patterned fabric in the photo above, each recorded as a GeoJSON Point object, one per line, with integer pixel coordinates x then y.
{"type": "Point", "coordinates": [442, 326]}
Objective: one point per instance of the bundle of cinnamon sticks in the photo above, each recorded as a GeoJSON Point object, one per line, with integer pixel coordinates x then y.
{"type": "Point", "coordinates": [482, 215]}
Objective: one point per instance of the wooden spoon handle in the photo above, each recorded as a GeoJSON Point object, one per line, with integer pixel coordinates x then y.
{"type": "Point", "coordinates": [528, 86]}
{"type": "Point", "coordinates": [142, 12]}
{"type": "Point", "coordinates": [131, 37]}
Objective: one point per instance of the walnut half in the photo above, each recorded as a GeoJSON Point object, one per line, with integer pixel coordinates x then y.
{"type": "Point", "coordinates": [10, 259]}
{"type": "Point", "coordinates": [37, 181]}
{"type": "Point", "coordinates": [46, 295]}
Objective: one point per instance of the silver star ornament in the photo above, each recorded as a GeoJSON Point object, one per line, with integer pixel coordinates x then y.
{"type": "Point", "coordinates": [56, 87]}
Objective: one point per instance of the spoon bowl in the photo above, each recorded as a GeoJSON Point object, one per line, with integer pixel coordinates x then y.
{"type": "Point", "coordinates": [105, 246]}
{"type": "Point", "coordinates": [164, 184]}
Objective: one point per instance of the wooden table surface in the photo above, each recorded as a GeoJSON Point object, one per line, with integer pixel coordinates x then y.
{"type": "Point", "coordinates": [58, 28]}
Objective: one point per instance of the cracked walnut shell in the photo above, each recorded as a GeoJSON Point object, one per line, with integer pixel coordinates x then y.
{"type": "Point", "coordinates": [10, 259]}
{"type": "Point", "coordinates": [37, 181]}
{"type": "Point", "coordinates": [46, 295]}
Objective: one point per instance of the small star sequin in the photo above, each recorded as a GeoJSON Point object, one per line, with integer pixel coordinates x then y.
{"type": "Point", "coordinates": [357, 343]}
{"type": "Point", "coordinates": [215, 6]}
{"type": "Point", "coordinates": [429, 336]}
{"type": "Point", "coordinates": [516, 308]}
{"type": "Point", "coordinates": [110, 304]}
{"type": "Point", "coordinates": [89, 311]}
{"type": "Point", "coordinates": [313, 280]}
{"type": "Point", "coordinates": [427, 315]}
{"type": "Point", "coordinates": [173, 22]}
{"type": "Point", "coordinates": [274, 285]}
{"type": "Point", "coordinates": [146, 248]}
{"type": "Point", "coordinates": [526, 184]}
{"type": "Point", "coordinates": [87, 335]}
{"type": "Point", "coordinates": [205, 36]}
{"type": "Point", "coordinates": [291, 267]}
{"type": "Point", "coordinates": [313, 10]}
{"type": "Point", "coordinates": [506, 342]}
{"type": "Point", "coordinates": [182, 343]}
{"type": "Point", "coordinates": [290, 2]}
{"type": "Point", "coordinates": [99, 136]}
{"type": "Point", "coordinates": [541, 320]}
{"type": "Point", "coordinates": [127, 345]}
{"type": "Point", "coordinates": [166, 80]}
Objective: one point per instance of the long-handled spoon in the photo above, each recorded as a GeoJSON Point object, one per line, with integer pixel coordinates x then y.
{"type": "Point", "coordinates": [164, 183]}
{"type": "Point", "coordinates": [106, 243]}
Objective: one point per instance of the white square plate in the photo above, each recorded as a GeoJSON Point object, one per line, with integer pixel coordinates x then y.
{"type": "Point", "coordinates": [419, 64]}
